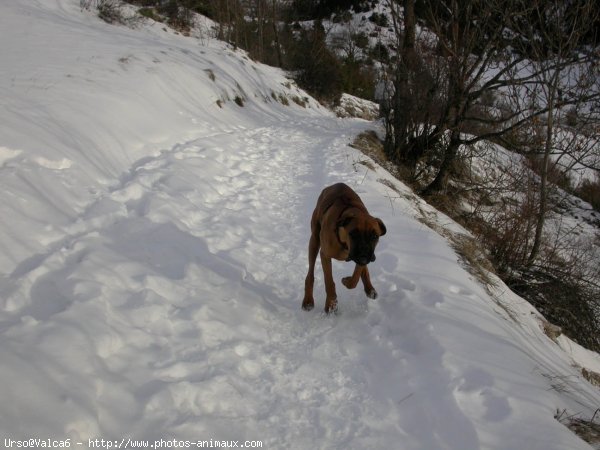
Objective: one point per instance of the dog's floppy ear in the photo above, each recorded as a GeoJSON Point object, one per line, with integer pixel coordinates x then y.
{"type": "Point", "coordinates": [342, 223]}
{"type": "Point", "coordinates": [342, 233]}
{"type": "Point", "coordinates": [381, 226]}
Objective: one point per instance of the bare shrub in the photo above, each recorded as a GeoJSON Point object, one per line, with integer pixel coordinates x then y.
{"type": "Point", "coordinates": [507, 235]}
{"type": "Point", "coordinates": [111, 11]}
{"type": "Point", "coordinates": [590, 192]}
{"type": "Point", "coordinates": [565, 302]}
{"type": "Point", "coordinates": [563, 286]}
{"type": "Point", "coordinates": [178, 16]}
{"type": "Point", "coordinates": [556, 175]}
{"type": "Point", "coordinates": [563, 281]}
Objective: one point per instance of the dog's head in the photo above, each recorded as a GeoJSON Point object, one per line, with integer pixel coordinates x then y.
{"type": "Point", "coordinates": [360, 234]}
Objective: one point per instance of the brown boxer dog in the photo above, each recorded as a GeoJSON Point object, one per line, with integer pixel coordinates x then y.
{"type": "Point", "coordinates": [343, 229]}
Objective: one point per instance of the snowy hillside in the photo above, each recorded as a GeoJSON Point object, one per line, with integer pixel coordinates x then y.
{"type": "Point", "coordinates": [153, 252]}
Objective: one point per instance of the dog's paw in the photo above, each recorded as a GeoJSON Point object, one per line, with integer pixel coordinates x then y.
{"type": "Point", "coordinates": [331, 310]}
{"type": "Point", "coordinates": [331, 306]}
{"type": "Point", "coordinates": [347, 281]}
{"type": "Point", "coordinates": [371, 293]}
{"type": "Point", "coordinates": [307, 305]}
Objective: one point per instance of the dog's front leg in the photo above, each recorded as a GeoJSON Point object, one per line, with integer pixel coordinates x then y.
{"type": "Point", "coordinates": [308, 302]}
{"type": "Point", "coordinates": [352, 281]}
{"type": "Point", "coordinates": [331, 300]}
{"type": "Point", "coordinates": [361, 273]}
{"type": "Point", "coordinates": [366, 279]}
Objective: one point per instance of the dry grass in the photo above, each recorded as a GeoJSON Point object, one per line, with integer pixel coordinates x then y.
{"type": "Point", "coordinates": [586, 429]}
{"type": "Point", "coordinates": [284, 100]}
{"type": "Point", "coordinates": [368, 143]}
{"type": "Point", "coordinates": [591, 376]}
{"type": "Point", "coordinates": [239, 101]}
{"type": "Point", "coordinates": [473, 258]}
{"type": "Point", "coordinates": [300, 101]}
{"type": "Point", "coordinates": [551, 330]}
{"type": "Point", "coordinates": [211, 74]}
{"type": "Point", "coordinates": [390, 185]}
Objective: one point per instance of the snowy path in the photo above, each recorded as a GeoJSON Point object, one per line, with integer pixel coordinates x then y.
{"type": "Point", "coordinates": [174, 307]}
{"type": "Point", "coordinates": [190, 271]}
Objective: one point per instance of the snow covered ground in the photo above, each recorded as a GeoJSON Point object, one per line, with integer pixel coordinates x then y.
{"type": "Point", "coordinates": [153, 253]}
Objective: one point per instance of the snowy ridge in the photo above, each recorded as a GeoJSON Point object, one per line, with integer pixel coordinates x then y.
{"type": "Point", "coordinates": [114, 98]}
{"type": "Point", "coordinates": [154, 252]}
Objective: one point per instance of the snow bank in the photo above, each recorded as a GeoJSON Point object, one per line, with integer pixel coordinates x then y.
{"type": "Point", "coordinates": [97, 99]}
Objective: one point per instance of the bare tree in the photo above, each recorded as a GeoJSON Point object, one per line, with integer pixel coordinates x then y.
{"type": "Point", "coordinates": [472, 60]}
{"type": "Point", "coordinates": [562, 75]}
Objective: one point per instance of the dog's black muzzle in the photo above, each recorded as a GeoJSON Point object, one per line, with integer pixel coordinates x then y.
{"type": "Point", "coordinates": [363, 260]}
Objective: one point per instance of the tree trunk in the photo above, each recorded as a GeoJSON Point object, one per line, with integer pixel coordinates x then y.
{"type": "Point", "coordinates": [439, 182]}
{"type": "Point", "coordinates": [406, 65]}
{"type": "Point", "coordinates": [542, 210]}
{"type": "Point", "coordinates": [408, 45]}
{"type": "Point", "coordinates": [397, 132]}
{"type": "Point", "coordinates": [274, 19]}
{"type": "Point", "coordinates": [260, 46]}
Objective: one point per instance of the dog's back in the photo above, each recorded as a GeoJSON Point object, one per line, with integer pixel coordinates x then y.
{"type": "Point", "coordinates": [333, 200]}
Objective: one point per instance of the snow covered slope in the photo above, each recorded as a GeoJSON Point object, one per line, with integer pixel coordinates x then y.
{"type": "Point", "coordinates": [153, 252]}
